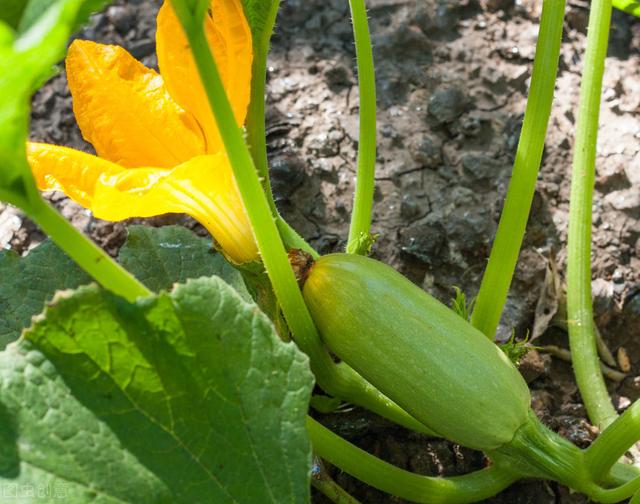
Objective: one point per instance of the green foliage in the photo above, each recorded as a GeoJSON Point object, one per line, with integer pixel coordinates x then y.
{"type": "Point", "coordinates": [363, 244]}
{"type": "Point", "coordinates": [160, 257]}
{"type": "Point", "coordinates": [261, 15]}
{"type": "Point", "coordinates": [188, 397]}
{"type": "Point", "coordinates": [460, 305]}
{"type": "Point", "coordinates": [34, 8]}
{"type": "Point", "coordinates": [28, 282]}
{"type": "Point", "coordinates": [11, 12]}
{"type": "Point", "coordinates": [516, 350]}
{"type": "Point", "coordinates": [26, 61]}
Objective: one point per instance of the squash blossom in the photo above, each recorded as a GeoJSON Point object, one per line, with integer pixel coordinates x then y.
{"type": "Point", "coordinates": [158, 145]}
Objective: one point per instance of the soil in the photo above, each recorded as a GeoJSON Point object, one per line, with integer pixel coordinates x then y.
{"type": "Point", "coordinates": [452, 78]}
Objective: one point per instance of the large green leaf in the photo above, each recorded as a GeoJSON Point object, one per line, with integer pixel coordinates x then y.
{"type": "Point", "coordinates": [160, 257]}
{"type": "Point", "coordinates": [188, 397]}
{"type": "Point", "coordinates": [26, 283]}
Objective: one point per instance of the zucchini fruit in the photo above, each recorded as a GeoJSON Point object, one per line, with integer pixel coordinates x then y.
{"type": "Point", "coordinates": [417, 351]}
{"type": "Point", "coordinates": [442, 370]}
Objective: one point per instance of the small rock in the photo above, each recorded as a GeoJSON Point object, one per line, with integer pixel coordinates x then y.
{"type": "Point", "coordinates": [481, 167]}
{"type": "Point", "coordinates": [287, 174]}
{"type": "Point", "coordinates": [324, 146]}
{"type": "Point", "coordinates": [631, 311]}
{"type": "Point", "coordinates": [337, 78]}
{"type": "Point", "coordinates": [626, 199]}
{"type": "Point", "coordinates": [141, 48]}
{"type": "Point", "coordinates": [424, 242]}
{"type": "Point", "coordinates": [533, 365]}
{"type": "Point", "coordinates": [122, 17]}
{"type": "Point", "coordinates": [494, 5]}
{"type": "Point", "coordinates": [428, 153]}
{"type": "Point", "coordinates": [409, 208]}
{"type": "Point", "coordinates": [603, 302]}
{"type": "Point", "coordinates": [447, 104]}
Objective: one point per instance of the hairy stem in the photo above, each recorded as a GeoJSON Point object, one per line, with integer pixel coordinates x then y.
{"type": "Point", "coordinates": [404, 484]}
{"type": "Point", "coordinates": [337, 379]}
{"type": "Point", "coordinates": [87, 254]}
{"type": "Point", "coordinates": [365, 182]}
{"type": "Point", "coordinates": [582, 340]}
{"type": "Point", "coordinates": [510, 234]}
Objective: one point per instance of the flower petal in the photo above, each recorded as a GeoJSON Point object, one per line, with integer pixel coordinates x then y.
{"type": "Point", "coordinates": [229, 37]}
{"type": "Point", "coordinates": [73, 172]}
{"type": "Point", "coordinates": [203, 187]}
{"type": "Point", "coordinates": [125, 110]}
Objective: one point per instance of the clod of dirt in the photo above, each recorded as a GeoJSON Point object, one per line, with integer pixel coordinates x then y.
{"type": "Point", "coordinates": [447, 104]}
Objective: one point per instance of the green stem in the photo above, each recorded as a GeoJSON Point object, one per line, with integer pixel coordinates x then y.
{"type": "Point", "coordinates": [322, 482]}
{"type": "Point", "coordinates": [337, 379]}
{"type": "Point", "coordinates": [510, 234]}
{"type": "Point", "coordinates": [255, 126]}
{"type": "Point", "coordinates": [365, 181]}
{"type": "Point", "coordinates": [87, 254]}
{"type": "Point", "coordinates": [406, 485]}
{"type": "Point", "coordinates": [613, 442]}
{"type": "Point", "coordinates": [582, 340]}
{"type": "Point", "coordinates": [255, 123]}
{"type": "Point", "coordinates": [628, 6]}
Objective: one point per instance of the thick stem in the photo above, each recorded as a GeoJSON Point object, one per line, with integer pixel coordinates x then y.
{"type": "Point", "coordinates": [365, 181]}
{"type": "Point", "coordinates": [536, 451]}
{"type": "Point", "coordinates": [614, 442]}
{"type": "Point", "coordinates": [87, 254]}
{"type": "Point", "coordinates": [586, 363]}
{"type": "Point", "coordinates": [388, 478]}
{"type": "Point", "coordinates": [506, 247]}
{"type": "Point", "coordinates": [337, 379]}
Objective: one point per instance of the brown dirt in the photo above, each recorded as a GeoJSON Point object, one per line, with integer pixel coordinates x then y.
{"type": "Point", "coordinates": [452, 81]}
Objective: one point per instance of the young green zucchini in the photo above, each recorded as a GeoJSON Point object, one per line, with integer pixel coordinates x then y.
{"type": "Point", "coordinates": [440, 369]}
{"type": "Point", "coordinates": [415, 350]}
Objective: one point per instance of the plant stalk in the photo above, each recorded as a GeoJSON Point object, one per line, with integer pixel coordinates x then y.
{"type": "Point", "coordinates": [614, 442]}
{"type": "Point", "coordinates": [513, 221]}
{"type": "Point", "coordinates": [404, 484]}
{"type": "Point", "coordinates": [365, 180]}
{"type": "Point", "coordinates": [83, 251]}
{"type": "Point", "coordinates": [337, 379]}
{"type": "Point", "coordinates": [582, 339]}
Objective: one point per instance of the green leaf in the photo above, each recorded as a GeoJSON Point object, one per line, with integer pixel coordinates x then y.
{"type": "Point", "coordinates": [27, 59]}
{"type": "Point", "coordinates": [28, 282]}
{"type": "Point", "coordinates": [34, 8]}
{"type": "Point", "coordinates": [188, 397]}
{"type": "Point", "coordinates": [160, 257]}
{"type": "Point", "coordinates": [11, 11]}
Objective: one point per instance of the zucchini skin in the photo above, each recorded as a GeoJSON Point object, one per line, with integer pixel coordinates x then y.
{"type": "Point", "coordinates": [417, 351]}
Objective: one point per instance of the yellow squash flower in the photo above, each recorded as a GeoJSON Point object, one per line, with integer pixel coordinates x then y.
{"type": "Point", "coordinates": [159, 149]}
